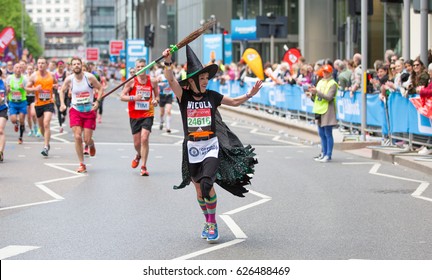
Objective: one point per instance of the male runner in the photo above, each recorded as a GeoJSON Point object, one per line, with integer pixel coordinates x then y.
{"type": "Point", "coordinates": [82, 113]}
{"type": "Point", "coordinates": [142, 94]}
{"type": "Point", "coordinates": [41, 83]}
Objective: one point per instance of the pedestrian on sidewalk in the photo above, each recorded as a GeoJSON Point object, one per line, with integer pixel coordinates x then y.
{"type": "Point", "coordinates": [211, 152]}
{"type": "Point", "coordinates": [324, 108]}
{"type": "Point", "coordinates": [142, 95]}
{"type": "Point", "coordinates": [82, 112]}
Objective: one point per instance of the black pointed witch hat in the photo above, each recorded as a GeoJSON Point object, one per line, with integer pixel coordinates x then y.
{"type": "Point", "coordinates": [195, 68]}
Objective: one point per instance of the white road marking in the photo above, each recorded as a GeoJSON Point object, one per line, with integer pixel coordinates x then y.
{"type": "Point", "coordinates": [210, 249]}
{"type": "Point", "coordinates": [235, 229]}
{"type": "Point", "coordinates": [416, 194]}
{"type": "Point", "coordinates": [43, 187]}
{"type": "Point", "coordinates": [14, 250]}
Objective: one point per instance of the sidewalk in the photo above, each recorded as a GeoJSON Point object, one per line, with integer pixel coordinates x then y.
{"type": "Point", "coordinates": [348, 143]}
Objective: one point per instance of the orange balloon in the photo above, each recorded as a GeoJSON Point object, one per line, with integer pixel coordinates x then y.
{"type": "Point", "coordinates": [253, 60]}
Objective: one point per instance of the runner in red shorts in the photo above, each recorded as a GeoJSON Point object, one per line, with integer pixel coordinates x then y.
{"type": "Point", "coordinates": [82, 113]}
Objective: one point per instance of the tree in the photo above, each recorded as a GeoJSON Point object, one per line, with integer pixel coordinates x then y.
{"type": "Point", "coordinates": [10, 15]}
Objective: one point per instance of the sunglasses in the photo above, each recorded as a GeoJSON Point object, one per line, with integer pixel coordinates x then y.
{"type": "Point", "coordinates": [392, 68]}
{"type": "Point", "coordinates": [415, 65]}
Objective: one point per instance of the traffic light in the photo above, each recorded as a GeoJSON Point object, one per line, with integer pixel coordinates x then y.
{"type": "Point", "coordinates": [149, 35]}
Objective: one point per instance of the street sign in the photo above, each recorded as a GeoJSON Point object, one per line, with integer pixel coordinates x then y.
{"type": "Point", "coordinates": [92, 54]}
{"type": "Point", "coordinates": [115, 46]}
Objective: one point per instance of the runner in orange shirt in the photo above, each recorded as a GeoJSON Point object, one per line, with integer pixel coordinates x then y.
{"type": "Point", "coordinates": [41, 83]}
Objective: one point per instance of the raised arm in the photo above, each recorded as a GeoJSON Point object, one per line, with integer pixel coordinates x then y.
{"type": "Point", "coordinates": [243, 98]}
{"type": "Point", "coordinates": [175, 86]}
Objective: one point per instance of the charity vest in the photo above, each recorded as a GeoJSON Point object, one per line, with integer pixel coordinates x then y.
{"type": "Point", "coordinates": [320, 104]}
{"type": "Point", "coordinates": [45, 95]}
{"type": "Point", "coordinates": [82, 94]}
{"type": "Point", "coordinates": [141, 108]}
{"type": "Point", "coordinates": [2, 95]}
{"type": "Point", "coordinates": [17, 93]}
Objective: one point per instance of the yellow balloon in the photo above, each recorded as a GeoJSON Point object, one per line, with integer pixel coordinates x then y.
{"type": "Point", "coordinates": [253, 60]}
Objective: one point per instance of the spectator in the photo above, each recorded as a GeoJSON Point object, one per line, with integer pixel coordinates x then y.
{"type": "Point", "coordinates": [426, 93]}
{"type": "Point", "coordinates": [344, 75]}
{"type": "Point", "coordinates": [356, 76]}
{"type": "Point", "coordinates": [419, 77]}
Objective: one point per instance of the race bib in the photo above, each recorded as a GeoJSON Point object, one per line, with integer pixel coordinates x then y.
{"type": "Point", "coordinates": [83, 98]}
{"type": "Point", "coordinates": [145, 94]}
{"type": "Point", "coordinates": [44, 95]}
{"type": "Point", "coordinates": [200, 150]}
{"type": "Point", "coordinates": [142, 105]}
{"type": "Point", "coordinates": [199, 118]}
{"type": "Point", "coordinates": [16, 96]}
{"type": "Point", "coordinates": [167, 91]}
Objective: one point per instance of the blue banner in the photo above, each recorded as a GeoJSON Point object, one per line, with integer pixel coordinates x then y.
{"type": "Point", "coordinates": [135, 49]}
{"type": "Point", "coordinates": [228, 49]}
{"type": "Point", "coordinates": [212, 48]}
{"type": "Point", "coordinates": [402, 115]}
{"type": "Point", "coordinates": [243, 29]}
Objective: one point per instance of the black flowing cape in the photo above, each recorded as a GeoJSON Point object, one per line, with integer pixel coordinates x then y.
{"type": "Point", "coordinates": [237, 162]}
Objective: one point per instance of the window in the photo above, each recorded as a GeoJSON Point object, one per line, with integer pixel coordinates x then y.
{"type": "Point", "coordinates": [57, 11]}
{"type": "Point", "coordinates": [39, 11]}
{"type": "Point", "coordinates": [29, 11]}
{"type": "Point", "coordinates": [48, 11]}
{"type": "Point", "coordinates": [66, 10]}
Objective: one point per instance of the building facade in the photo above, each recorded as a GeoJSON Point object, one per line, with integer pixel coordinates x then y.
{"type": "Point", "coordinates": [319, 28]}
{"type": "Point", "coordinates": [61, 23]}
{"type": "Point", "coordinates": [99, 25]}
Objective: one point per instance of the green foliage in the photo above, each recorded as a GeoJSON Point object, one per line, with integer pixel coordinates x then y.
{"type": "Point", "coordinates": [10, 15]}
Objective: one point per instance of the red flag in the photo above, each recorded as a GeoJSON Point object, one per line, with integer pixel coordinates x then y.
{"type": "Point", "coordinates": [292, 56]}
{"type": "Point", "coordinates": [6, 36]}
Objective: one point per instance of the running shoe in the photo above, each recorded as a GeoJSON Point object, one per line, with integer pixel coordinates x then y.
{"type": "Point", "coordinates": [16, 127]}
{"type": "Point", "coordinates": [135, 161]}
{"type": "Point", "coordinates": [20, 141]}
{"type": "Point", "coordinates": [92, 150]}
{"type": "Point", "coordinates": [168, 130]}
{"type": "Point", "coordinates": [204, 232]}
{"type": "Point", "coordinates": [38, 133]}
{"type": "Point", "coordinates": [86, 150]}
{"type": "Point", "coordinates": [30, 134]}
{"type": "Point", "coordinates": [319, 157]}
{"type": "Point", "coordinates": [161, 126]}
{"type": "Point", "coordinates": [144, 171]}
{"type": "Point", "coordinates": [213, 234]}
{"type": "Point", "coordinates": [45, 151]}
{"type": "Point", "coordinates": [82, 168]}
{"type": "Point", "coordinates": [1, 157]}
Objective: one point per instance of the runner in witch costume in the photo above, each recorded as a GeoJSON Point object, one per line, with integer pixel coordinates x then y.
{"type": "Point", "coordinates": [211, 152]}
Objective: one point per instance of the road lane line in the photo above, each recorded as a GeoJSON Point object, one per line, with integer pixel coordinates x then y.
{"type": "Point", "coordinates": [256, 203]}
{"type": "Point", "coordinates": [28, 205]}
{"type": "Point", "coordinates": [14, 250]}
{"type": "Point", "coordinates": [210, 249]}
{"type": "Point", "coordinates": [239, 234]}
{"type": "Point", "coordinates": [416, 194]}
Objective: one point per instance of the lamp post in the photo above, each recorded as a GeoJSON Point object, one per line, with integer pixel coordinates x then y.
{"type": "Point", "coordinates": [22, 23]}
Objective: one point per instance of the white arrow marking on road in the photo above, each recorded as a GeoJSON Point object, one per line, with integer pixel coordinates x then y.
{"type": "Point", "coordinates": [14, 250]}
{"type": "Point", "coordinates": [416, 194]}
{"type": "Point", "coordinates": [210, 249]}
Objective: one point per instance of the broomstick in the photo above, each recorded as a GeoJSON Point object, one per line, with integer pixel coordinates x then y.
{"type": "Point", "coordinates": [174, 48]}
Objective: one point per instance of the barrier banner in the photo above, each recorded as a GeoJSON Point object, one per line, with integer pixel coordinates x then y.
{"type": "Point", "coordinates": [423, 106]}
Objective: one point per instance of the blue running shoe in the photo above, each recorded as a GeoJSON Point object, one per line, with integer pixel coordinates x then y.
{"type": "Point", "coordinates": [213, 234]}
{"type": "Point", "coordinates": [204, 232]}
